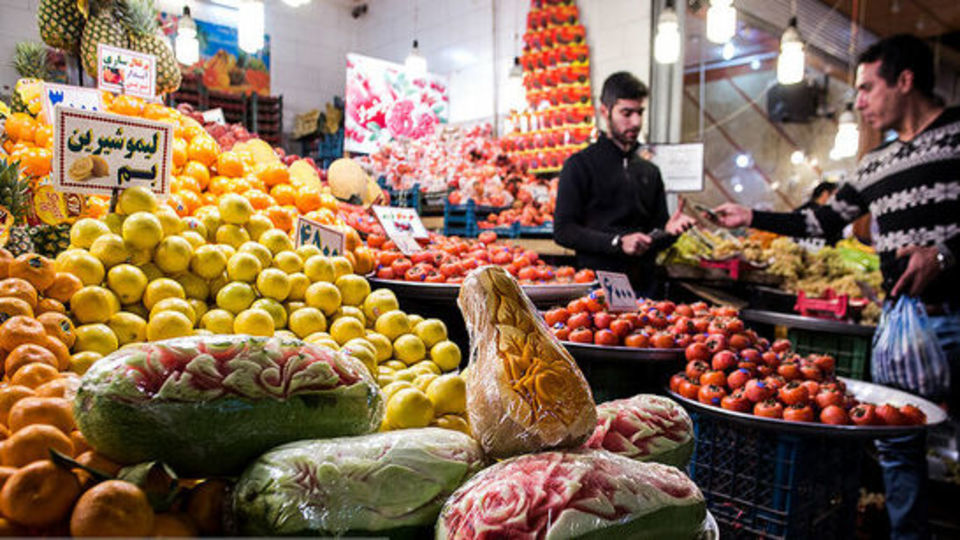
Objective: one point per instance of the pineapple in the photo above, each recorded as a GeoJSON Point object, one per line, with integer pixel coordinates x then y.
{"type": "Point", "coordinates": [13, 197]}
{"type": "Point", "coordinates": [50, 240]}
{"type": "Point", "coordinates": [61, 24]}
{"type": "Point", "coordinates": [139, 17]}
{"type": "Point", "coordinates": [31, 60]}
{"type": "Point", "coordinates": [102, 26]}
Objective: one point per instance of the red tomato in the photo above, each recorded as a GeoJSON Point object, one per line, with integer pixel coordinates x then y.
{"type": "Point", "coordinates": [579, 319]}
{"type": "Point", "coordinates": [799, 413]}
{"type": "Point", "coordinates": [739, 341]}
{"type": "Point", "coordinates": [556, 315]}
{"type": "Point", "coordinates": [789, 370]}
{"type": "Point", "coordinates": [813, 388]}
{"type": "Point", "coordinates": [769, 408]}
{"type": "Point", "coordinates": [835, 415]}
{"type": "Point", "coordinates": [757, 390]}
{"type": "Point", "coordinates": [781, 345]}
{"type": "Point", "coordinates": [770, 358]}
{"type": "Point", "coordinates": [562, 332]}
{"type": "Point", "coordinates": [736, 402]}
{"type": "Point", "coordinates": [528, 274]}
{"type": "Point", "coordinates": [696, 368]}
{"type": "Point", "coordinates": [666, 307]}
{"type": "Point", "coordinates": [676, 380]}
{"type": "Point", "coordinates": [811, 372]}
{"type": "Point", "coordinates": [487, 237]}
{"type": "Point", "coordinates": [602, 319]}
{"type": "Point", "coordinates": [696, 351]}
{"type": "Point", "coordinates": [829, 396]}
{"type": "Point", "coordinates": [663, 341]}
{"type": "Point", "coordinates": [638, 340]}
{"type": "Point", "coordinates": [581, 335]}
{"type": "Point", "coordinates": [716, 343]}
{"type": "Point", "coordinates": [735, 326]}
{"type": "Point", "coordinates": [913, 415]}
{"type": "Point", "coordinates": [606, 337]}
{"type": "Point", "coordinates": [713, 377]}
{"type": "Point", "coordinates": [689, 389]}
{"type": "Point", "coordinates": [794, 393]}
{"type": "Point", "coordinates": [890, 415]}
{"type": "Point", "coordinates": [738, 379]}
{"type": "Point", "coordinates": [386, 273]}
{"type": "Point", "coordinates": [576, 306]}
{"type": "Point", "coordinates": [864, 415]}
{"type": "Point", "coordinates": [776, 381]}
{"type": "Point", "coordinates": [724, 360]}
{"type": "Point", "coordinates": [825, 362]}
{"type": "Point", "coordinates": [401, 265]}
{"type": "Point", "coordinates": [684, 310]}
{"type": "Point", "coordinates": [751, 355]}
{"type": "Point", "coordinates": [711, 394]}
{"type": "Point", "coordinates": [621, 327]}
{"type": "Point", "coordinates": [565, 272]}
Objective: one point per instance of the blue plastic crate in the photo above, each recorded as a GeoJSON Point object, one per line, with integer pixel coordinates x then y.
{"type": "Point", "coordinates": [402, 198]}
{"type": "Point", "coordinates": [545, 230]}
{"type": "Point", "coordinates": [331, 146]}
{"type": "Point", "coordinates": [463, 219]}
{"type": "Point", "coordinates": [762, 483]}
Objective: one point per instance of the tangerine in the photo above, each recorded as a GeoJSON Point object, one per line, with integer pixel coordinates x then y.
{"type": "Point", "coordinates": [63, 286]}
{"type": "Point", "coordinates": [284, 194]}
{"type": "Point", "coordinates": [11, 307]}
{"type": "Point", "coordinates": [80, 444]}
{"type": "Point", "coordinates": [204, 149]}
{"type": "Point", "coordinates": [26, 354]}
{"type": "Point", "coordinates": [35, 374]}
{"type": "Point", "coordinates": [39, 494]}
{"type": "Point", "coordinates": [198, 171]}
{"type": "Point", "coordinates": [5, 259]}
{"type": "Point", "coordinates": [112, 508]}
{"type": "Point", "coordinates": [127, 105]}
{"type": "Point", "coordinates": [273, 174]}
{"type": "Point", "coordinates": [179, 152]}
{"type": "Point", "coordinates": [9, 396]}
{"type": "Point", "coordinates": [33, 443]}
{"type": "Point", "coordinates": [170, 525]}
{"type": "Point", "coordinates": [55, 388]}
{"type": "Point", "coordinates": [19, 288]}
{"type": "Point", "coordinates": [19, 330]}
{"type": "Point", "coordinates": [230, 164]}
{"type": "Point", "coordinates": [49, 305]}
{"type": "Point", "coordinates": [57, 412]}
{"type": "Point", "coordinates": [36, 269]}
{"type": "Point", "coordinates": [307, 200]}
{"type": "Point", "coordinates": [36, 162]}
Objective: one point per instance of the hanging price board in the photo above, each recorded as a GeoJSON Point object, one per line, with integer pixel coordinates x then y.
{"type": "Point", "coordinates": [123, 71]}
{"type": "Point", "coordinates": [397, 221]}
{"type": "Point", "coordinates": [619, 293]}
{"type": "Point", "coordinates": [310, 233]}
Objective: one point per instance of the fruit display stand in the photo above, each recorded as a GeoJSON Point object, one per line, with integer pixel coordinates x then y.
{"type": "Point", "coordinates": [771, 478]}
{"type": "Point", "coordinates": [463, 219]}
{"type": "Point", "coordinates": [616, 372]}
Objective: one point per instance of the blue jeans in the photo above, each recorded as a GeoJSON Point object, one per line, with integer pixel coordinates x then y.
{"type": "Point", "coordinates": [904, 459]}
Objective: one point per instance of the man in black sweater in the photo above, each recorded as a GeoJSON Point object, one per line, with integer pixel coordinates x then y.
{"type": "Point", "coordinates": [611, 204]}
{"type": "Point", "coordinates": [911, 185]}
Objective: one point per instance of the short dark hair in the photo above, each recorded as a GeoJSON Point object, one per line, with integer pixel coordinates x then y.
{"type": "Point", "coordinates": [823, 187]}
{"type": "Point", "coordinates": [622, 85]}
{"type": "Point", "coordinates": [900, 53]}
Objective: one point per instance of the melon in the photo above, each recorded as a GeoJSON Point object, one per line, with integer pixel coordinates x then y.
{"type": "Point", "coordinates": [645, 427]}
{"type": "Point", "coordinates": [347, 180]}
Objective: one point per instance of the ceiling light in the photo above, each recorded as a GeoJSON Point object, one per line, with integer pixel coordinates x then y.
{"type": "Point", "coordinates": [250, 26]}
{"type": "Point", "coordinates": [728, 51]}
{"type": "Point", "coordinates": [517, 70]}
{"type": "Point", "coordinates": [666, 44]}
{"type": "Point", "coordinates": [755, 64]}
{"type": "Point", "coordinates": [847, 141]}
{"type": "Point", "coordinates": [742, 160]}
{"type": "Point", "coordinates": [186, 45]}
{"type": "Point", "coordinates": [415, 64]}
{"type": "Point", "coordinates": [797, 157]}
{"type": "Point", "coordinates": [721, 21]}
{"type": "Point", "coordinates": [790, 63]}
{"type": "Point", "coordinates": [738, 188]}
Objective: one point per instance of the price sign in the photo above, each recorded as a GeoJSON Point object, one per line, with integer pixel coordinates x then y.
{"type": "Point", "coordinates": [406, 244]}
{"type": "Point", "coordinates": [619, 293]}
{"type": "Point", "coordinates": [123, 71]}
{"type": "Point", "coordinates": [310, 233]}
{"type": "Point", "coordinates": [73, 97]}
{"type": "Point", "coordinates": [96, 153]}
{"type": "Point", "coordinates": [681, 165]}
{"type": "Point", "coordinates": [397, 221]}
{"type": "Point", "coordinates": [215, 116]}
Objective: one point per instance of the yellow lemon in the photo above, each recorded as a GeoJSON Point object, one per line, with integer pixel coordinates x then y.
{"type": "Point", "coordinates": [341, 266]}
{"type": "Point", "coordinates": [257, 225]}
{"type": "Point", "coordinates": [128, 328]}
{"type": "Point", "coordinates": [273, 283]}
{"type": "Point", "coordinates": [196, 239]}
{"type": "Point", "coordinates": [426, 366]}
{"type": "Point", "coordinates": [151, 271]}
{"type": "Point", "coordinates": [161, 288]}
{"type": "Point", "coordinates": [409, 349]}
{"type": "Point", "coordinates": [351, 311]}
{"type": "Point", "coordinates": [169, 220]}
{"type": "Point", "coordinates": [218, 321]}
{"type": "Point", "coordinates": [139, 257]}
{"type": "Point", "coordinates": [114, 222]}
{"type": "Point", "coordinates": [276, 241]}
{"type": "Point", "coordinates": [93, 304]}
{"type": "Point", "coordinates": [199, 306]}
{"type": "Point", "coordinates": [173, 254]}
{"type": "Point", "coordinates": [235, 297]}
{"type": "Point", "coordinates": [255, 322]}
{"type": "Point", "coordinates": [395, 386]}
{"type": "Point", "coordinates": [194, 225]}
{"type": "Point", "coordinates": [423, 381]}
{"type": "Point", "coordinates": [274, 308]}
{"type": "Point", "coordinates": [363, 354]}
{"type": "Point", "coordinates": [85, 231]}
{"type": "Point", "coordinates": [227, 249]}
{"type": "Point", "coordinates": [259, 250]}
{"type": "Point", "coordinates": [285, 334]}
{"type": "Point", "coordinates": [414, 319]}
{"type": "Point", "coordinates": [299, 282]}
{"type": "Point", "coordinates": [354, 289]}
{"type": "Point", "coordinates": [128, 282]}
{"type": "Point", "coordinates": [232, 235]}
{"type": "Point", "coordinates": [218, 283]}
{"type": "Point", "coordinates": [446, 354]}
{"type": "Point", "coordinates": [409, 408]}
{"type": "Point", "coordinates": [452, 421]}
{"type": "Point", "coordinates": [136, 199]}
{"type": "Point", "coordinates": [448, 394]}
{"type": "Point", "coordinates": [209, 217]}
{"type": "Point", "coordinates": [175, 304]}
{"type": "Point", "coordinates": [344, 329]}
{"type": "Point", "coordinates": [235, 209]}
{"type": "Point", "coordinates": [110, 249]}
{"type": "Point", "coordinates": [319, 268]}
{"type": "Point", "coordinates": [293, 305]}
{"type": "Point", "coordinates": [323, 295]}
{"type": "Point", "coordinates": [393, 324]}
{"type": "Point", "coordinates": [142, 230]}
{"type": "Point", "coordinates": [308, 250]}
{"type": "Point", "coordinates": [379, 302]}
{"type": "Point", "coordinates": [243, 267]}
{"type": "Point", "coordinates": [307, 321]}
{"type": "Point", "coordinates": [86, 267]}
{"type": "Point", "coordinates": [288, 261]}
{"type": "Point", "coordinates": [194, 286]}
{"type": "Point", "coordinates": [138, 310]}
{"type": "Point", "coordinates": [395, 365]}
{"type": "Point", "coordinates": [431, 331]}
{"type": "Point", "coordinates": [98, 338]}
{"type": "Point", "coordinates": [362, 342]}
{"type": "Point", "coordinates": [81, 361]}
{"type": "Point", "coordinates": [168, 325]}
{"type": "Point", "coordinates": [382, 344]}
{"type": "Point", "coordinates": [208, 262]}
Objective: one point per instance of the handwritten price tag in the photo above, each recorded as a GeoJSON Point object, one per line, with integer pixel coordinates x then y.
{"type": "Point", "coordinates": [215, 116]}
{"type": "Point", "coordinates": [619, 293]}
{"type": "Point", "coordinates": [73, 97]}
{"type": "Point", "coordinates": [310, 233]}
{"type": "Point", "coordinates": [123, 71]}
{"type": "Point", "coordinates": [397, 221]}
{"type": "Point", "coordinates": [406, 244]}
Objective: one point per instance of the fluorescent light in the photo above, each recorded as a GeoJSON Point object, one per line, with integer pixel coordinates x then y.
{"type": "Point", "coordinates": [250, 26]}
{"type": "Point", "coordinates": [666, 44]}
{"type": "Point", "coordinates": [415, 64]}
{"type": "Point", "coordinates": [296, 3]}
{"type": "Point", "coordinates": [728, 51]}
{"type": "Point", "coordinates": [797, 157]}
{"type": "Point", "coordinates": [186, 45]}
{"type": "Point", "coordinates": [790, 63]}
{"type": "Point", "coordinates": [721, 21]}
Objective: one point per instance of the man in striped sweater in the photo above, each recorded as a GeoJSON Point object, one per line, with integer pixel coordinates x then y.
{"type": "Point", "coordinates": [911, 185]}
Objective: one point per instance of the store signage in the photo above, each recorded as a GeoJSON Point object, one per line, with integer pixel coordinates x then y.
{"type": "Point", "coordinates": [73, 97]}
{"type": "Point", "coordinates": [397, 221]}
{"type": "Point", "coordinates": [406, 244]}
{"type": "Point", "coordinates": [98, 153]}
{"type": "Point", "coordinates": [619, 293]}
{"type": "Point", "coordinates": [681, 165]}
{"type": "Point", "coordinates": [214, 116]}
{"type": "Point", "coordinates": [310, 233]}
{"type": "Point", "coordinates": [123, 71]}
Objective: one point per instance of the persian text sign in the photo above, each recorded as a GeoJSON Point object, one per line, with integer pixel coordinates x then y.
{"type": "Point", "coordinates": [397, 221]}
{"type": "Point", "coordinates": [123, 71]}
{"type": "Point", "coordinates": [310, 233]}
{"type": "Point", "coordinates": [97, 153]}
{"type": "Point", "coordinates": [74, 97]}
{"type": "Point", "coordinates": [619, 293]}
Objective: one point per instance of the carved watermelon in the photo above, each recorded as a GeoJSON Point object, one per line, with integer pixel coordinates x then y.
{"type": "Point", "coordinates": [646, 428]}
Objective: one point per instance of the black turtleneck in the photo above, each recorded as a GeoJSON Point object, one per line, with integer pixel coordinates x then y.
{"type": "Point", "coordinates": [605, 192]}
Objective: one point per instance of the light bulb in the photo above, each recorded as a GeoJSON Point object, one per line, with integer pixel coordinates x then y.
{"type": "Point", "coordinates": [742, 160]}
{"type": "Point", "coordinates": [797, 157]}
{"type": "Point", "coordinates": [738, 188]}
{"type": "Point", "coordinates": [728, 51]}
{"type": "Point", "coordinates": [666, 45]}
{"type": "Point", "coordinates": [721, 21]}
{"type": "Point", "coordinates": [296, 3]}
{"type": "Point", "coordinates": [847, 141]}
{"type": "Point", "coordinates": [790, 62]}
{"type": "Point", "coordinates": [755, 64]}
{"type": "Point", "coordinates": [516, 71]}
{"type": "Point", "coordinates": [186, 45]}
{"type": "Point", "coordinates": [415, 65]}
{"type": "Point", "coordinates": [250, 26]}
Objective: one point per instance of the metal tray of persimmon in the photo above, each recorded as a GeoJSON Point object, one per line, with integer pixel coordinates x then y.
{"type": "Point", "coordinates": [589, 352]}
{"type": "Point", "coordinates": [863, 391]}
{"type": "Point", "coordinates": [449, 291]}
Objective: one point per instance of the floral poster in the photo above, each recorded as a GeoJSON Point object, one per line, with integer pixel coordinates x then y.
{"type": "Point", "coordinates": [384, 103]}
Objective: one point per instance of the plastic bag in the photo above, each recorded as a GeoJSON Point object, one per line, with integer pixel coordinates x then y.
{"type": "Point", "coordinates": [906, 352]}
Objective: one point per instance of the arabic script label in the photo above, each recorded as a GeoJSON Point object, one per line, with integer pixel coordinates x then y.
{"type": "Point", "coordinates": [123, 71]}
{"type": "Point", "coordinates": [310, 233]}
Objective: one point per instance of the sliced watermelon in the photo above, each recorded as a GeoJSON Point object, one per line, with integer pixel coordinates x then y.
{"type": "Point", "coordinates": [646, 428]}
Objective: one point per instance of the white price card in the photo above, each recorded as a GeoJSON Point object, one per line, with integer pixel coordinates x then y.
{"type": "Point", "coordinates": [73, 97]}
{"type": "Point", "coordinates": [397, 221]}
{"type": "Point", "coordinates": [123, 71]}
{"type": "Point", "coordinates": [681, 165]}
{"type": "Point", "coordinates": [310, 233]}
{"type": "Point", "coordinates": [97, 153]}
{"type": "Point", "coordinates": [215, 116]}
{"type": "Point", "coordinates": [406, 244]}
{"type": "Point", "coordinates": [616, 287]}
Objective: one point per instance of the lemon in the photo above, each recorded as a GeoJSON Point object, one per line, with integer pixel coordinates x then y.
{"type": "Point", "coordinates": [174, 304]}
{"type": "Point", "coordinates": [327, 343]}
{"type": "Point", "coordinates": [353, 289]}
{"type": "Point", "coordinates": [409, 408]}
{"type": "Point", "coordinates": [60, 262]}
{"type": "Point", "coordinates": [150, 270]}
{"type": "Point", "coordinates": [93, 304]}
{"type": "Point", "coordinates": [453, 422]}
{"type": "Point", "coordinates": [86, 267]}
{"type": "Point", "coordinates": [259, 250]}
{"type": "Point", "coordinates": [414, 319]}
{"type": "Point", "coordinates": [423, 380]}
{"type": "Point", "coordinates": [351, 311]}
{"type": "Point", "coordinates": [308, 250]}
{"type": "Point", "coordinates": [276, 241]}
{"type": "Point", "coordinates": [285, 334]}
{"type": "Point", "coordinates": [98, 338]}
{"type": "Point", "coordinates": [446, 354]}
{"type": "Point", "coordinates": [114, 222]}
{"type": "Point", "coordinates": [257, 225]}
{"type": "Point", "coordinates": [409, 349]}
{"type": "Point", "coordinates": [341, 266]}
{"type": "Point", "coordinates": [393, 324]}
{"type": "Point", "coordinates": [395, 386]}
{"type": "Point", "coordinates": [426, 366]}
{"type": "Point", "coordinates": [243, 267]}
{"type": "Point", "coordinates": [218, 283]}
{"type": "Point", "coordinates": [173, 254]}
{"type": "Point", "coordinates": [196, 240]}
{"type": "Point", "coordinates": [161, 288]}
{"type": "Point", "coordinates": [81, 361]}
{"type": "Point", "coordinates": [128, 282]}
{"type": "Point", "coordinates": [319, 268]}
{"type": "Point", "coordinates": [227, 249]}
{"type": "Point", "coordinates": [235, 297]}
{"type": "Point", "coordinates": [168, 325]}
{"type": "Point", "coordinates": [293, 305]}
{"type": "Point", "coordinates": [306, 321]}
{"type": "Point", "coordinates": [209, 217]}
{"type": "Point", "coordinates": [85, 231]}
{"type": "Point", "coordinates": [274, 308]}
{"type": "Point", "coordinates": [110, 249]}
{"type": "Point", "coordinates": [344, 329]}
{"type": "Point", "coordinates": [235, 209]}
{"type": "Point", "coordinates": [363, 354]}
{"type": "Point", "coordinates": [208, 262]}
{"type": "Point", "coordinates": [431, 331]}
{"type": "Point", "coordinates": [142, 230]}
{"type": "Point", "coordinates": [139, 257]}
{"type": "Point", "coordinates": [169, 220]}
{"type": "Point", "coordinates": [218, 321]}
{"type": "Point", "coordinates": [323, 295]}
{"type": "Point", "coordinates": [299, 282]}
{"type": "Point", "coordinates": [232, 235]}
{"type": "Point", "coordinates": [199, 307]}
{"type": "Point", "coordinates": [128, 328]}
{"type": "Point", "coordinates": [318, 335]}
{"type": "Point", "coordinates": [138, 310]}
{"type": "Point", "coordinates": [255, 322]}
{"type": "Point", "coordinates": [448, 394]}
{"type": "Point", "coordinates": [288, 262]}
{"type": "Point", "coordinates": [273, 283]}
{"type": "Point", "coordinates": [379, 302]}
{"type": "Point", "coordinates": [395, 365]}
{"type": "Point", "coordinates": [136, 199]}
{"type": "Point", "coordinates": [194, 286]}
{"type": "Point", "coordinates": [382, 344]}
{"type": "Point", "coordinates": [363, 343]}
{"type": "Point", "coordinates": [193, 224]}
{"type": "Point", "coordinates": [385, 380]}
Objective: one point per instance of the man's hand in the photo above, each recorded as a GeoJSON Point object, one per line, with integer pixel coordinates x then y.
{"type": "Point", "coordinates": [679, 222]}
{"type": "Point", "coordinates": [922, 269]}
{"type": "Point", "coordinates": [635, 243]}
{"type": "Point", "coordinates": [731, 215]}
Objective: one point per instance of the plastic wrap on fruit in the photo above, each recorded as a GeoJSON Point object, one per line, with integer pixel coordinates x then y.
{"type": "Point", "coordinates": [378, 484]}
{"type": "Point", "coordinates": [525, 393]}
{"type": "Point", "coordinates": [210, 405]}
{"type": "Point", "coordinates": [645, 427]}
{"type": "Point", "coordinates": [583, 494]}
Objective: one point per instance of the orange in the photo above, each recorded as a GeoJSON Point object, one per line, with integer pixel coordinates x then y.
{"type": "Point", "coordinates": [284, 194]}
{"type": "Point", "coordinates": [209, 199]}
{"type": "Point", "coordinates": [36, 269]}
{"type": "Point", "coordinates": [39, 494]}
{"type": "Point", "coordinates": [307, 200]}
{"type": "Point", "coordinates": [10, 529]}
{"type": "Point", "coordinates": [329, 202]}
{"type": "Point", "coordinates": [19, 288]}
{"type": "Point", "coordinates": [127, 105]}
{"type": "Point", "coordinates": [9, 396]}
{"type": "Point", "coordinates": [239, 185]}
{"type": "Point", "coordinates": [176, 203]}
{"type": "Point", "coordinates": [280, 218]}
{"type": "Point", "coordinates": [5, 474]}
{"type": "Point", "coordinates": [179, 152]}
{"type": "Point", "coordinates": [5, 259]}
{"type": "Point", "coordinates": [55, 388]}
{"type": "Point", "coordinates": [59, 350]}
{"type": "Point", "coordinates": [57, 412]}
{"type": "Point", "coordinates": [63, 286]}
{"type": "Point", "coordinates": [365, 261]}
{"type": "Point", "coordinates": [11, 307]}
{"type": "Point", "coordinates": [19, 330]}
{"type": "Point", "coordinates": [198, 171]}
{"type": "Point", "coordinates": [80, 444]}
{"type": "Point", "coordinates": [258, 199]}
{"type": "Point", "coordinates": [112, 508]}
{"type": "Point", "coordinates": [184, 183]}
{"type": "Point", "coordinates": [353, 240]}
{"type": "Point", "coordinates": [21, 127]}
{"type": "Point", "coordinates": [97, 462]}
{"type": "Point", "coordinates": [156, 111]}
{"type": "Point", "coordinates": [204, 149]}
{"type": "Point", "coordinates": [255, 183]}
{"type": "Point", "coordinates": [274, 174]}
{"type": "Point", "coordinates": [219, 185]}
{"type": "Point", "coordinates": [33, 443]}
{"type": "Point", "coordinates": [26, 354]}
{"type": "Point", "coordinates": [43, 137]}
{"type": "Point", "coordinates": [205, 506]}
{"type": "Point", "coordinates": [35, 374]}
{"type": "Point", "coordinates": [169, 525]}
{"type": "Point", "coordinates": [36, 162]}
{"type": "Point", "coordinates": [190, 200]}
{"type": "Point", "coordinates": [4, 435]}
{"type": "Point", "coordinates": [48, 305]}
{"type": "Point", "coordinates": [230, 164]}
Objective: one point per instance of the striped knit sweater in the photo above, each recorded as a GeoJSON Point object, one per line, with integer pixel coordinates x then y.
{"type": "Point", "coordinates": [913, 191]}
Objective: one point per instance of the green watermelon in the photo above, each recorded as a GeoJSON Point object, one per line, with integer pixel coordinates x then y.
{"type": "Point", "coordinates": [645, 427]}
{"type": "Point", "coordinates": [211, 405]}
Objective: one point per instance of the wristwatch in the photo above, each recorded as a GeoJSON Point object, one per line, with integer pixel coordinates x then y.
{"type": "Point", "coordinates": [944, 257]}
{"type": "Point", "coordinates": [615, 242]}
